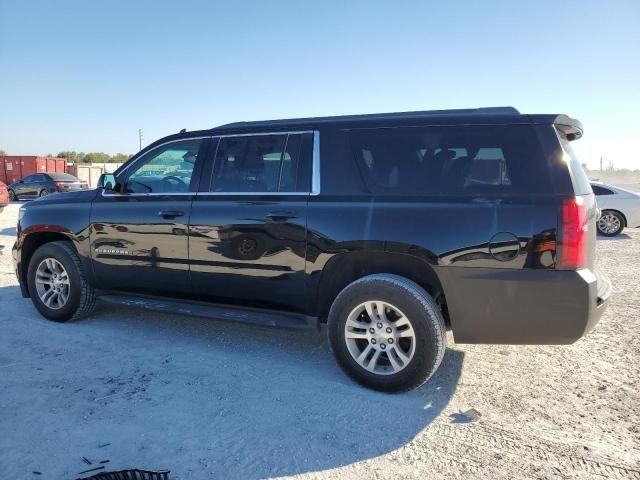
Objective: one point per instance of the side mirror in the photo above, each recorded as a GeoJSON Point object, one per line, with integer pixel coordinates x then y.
{"type": "Point", "coordinates": [107, 181]}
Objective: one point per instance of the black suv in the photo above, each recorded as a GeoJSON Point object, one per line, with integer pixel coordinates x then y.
{"type": "Point", "coordinates": [390, 228]}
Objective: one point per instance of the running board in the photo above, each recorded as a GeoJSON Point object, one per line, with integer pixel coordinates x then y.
{"type": "Point", "coordinates": [232, 313]}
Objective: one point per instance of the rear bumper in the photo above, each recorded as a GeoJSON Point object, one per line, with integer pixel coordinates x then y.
{"type": "Point", "coordinates": [535, 307]}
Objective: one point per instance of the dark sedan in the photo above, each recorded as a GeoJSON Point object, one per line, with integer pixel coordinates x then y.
{"type": "Point", "coordinates": [41, 184]}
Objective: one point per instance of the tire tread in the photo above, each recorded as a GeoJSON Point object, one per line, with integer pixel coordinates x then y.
{"type": "Point", "coordinates": [88, 298]}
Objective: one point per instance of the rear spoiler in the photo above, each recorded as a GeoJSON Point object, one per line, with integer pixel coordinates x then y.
{"type": "Point", "coordinates": [569, 127]}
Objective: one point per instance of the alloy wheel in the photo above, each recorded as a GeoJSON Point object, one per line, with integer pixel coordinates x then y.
{"type": "Point", "coordinates": [52, 283]}
{"type": "Point", "coordinates": [609, 223]}
{"type": "Point", "coordinates": [379, 337]}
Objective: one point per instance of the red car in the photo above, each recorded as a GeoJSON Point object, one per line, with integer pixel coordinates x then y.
{"type": "Point", "coordinates": [4, 196]}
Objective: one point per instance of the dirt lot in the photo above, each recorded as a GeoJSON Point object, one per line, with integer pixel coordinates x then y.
{"type": "Point", "coordinates": [214, 400]}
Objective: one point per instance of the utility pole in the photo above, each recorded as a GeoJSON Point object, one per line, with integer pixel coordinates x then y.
{"type": "Point", "coordinates": [140, 137]}
{"type": "Point", "coordinates": [601, 164]}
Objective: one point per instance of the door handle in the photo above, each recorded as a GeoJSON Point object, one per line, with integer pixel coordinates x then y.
{"type": "Point", "coordinates": [170, 213]}
{"type": "Point", "coordinates": [281, 216]}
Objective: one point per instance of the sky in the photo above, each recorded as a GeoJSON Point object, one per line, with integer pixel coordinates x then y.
{"type": "Point", "coordinates": [86, 75]}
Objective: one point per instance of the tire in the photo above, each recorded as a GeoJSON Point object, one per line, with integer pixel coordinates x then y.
{"type": "Point", "coordinates": [12, 196]}
{"type": "Point", "coordinates": [610, 223]}
{"type": "Point", "coordinates": [400, 298]}
{"type": "Point", "coordinates": [43, 193]}
{"type": "Point", "coordinates": [81, 297]}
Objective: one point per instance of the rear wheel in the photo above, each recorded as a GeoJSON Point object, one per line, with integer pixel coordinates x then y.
{"type": "Point", "coordinates": [12, 195]}
{"type": "Point", "coordinates": [387, 333]}
{"type": "Point", "coordinates": [57, 285]}
{"type": "Point", "coordinates": [43, 193]}
{"type": "Point", "coordinates": [610, 223]}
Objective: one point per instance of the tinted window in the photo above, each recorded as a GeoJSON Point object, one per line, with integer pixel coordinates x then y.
{"type": "Point", "coordinates": [260, 163]}
{"type": "Point", "coordinates": [167, 169]}
{"type": "Point", "coordinates": [29, 179]}
{"type": "Point", "coordinates": [62, 177]}
{"type": "Point", "coordinates": [598, 190]}
{"type": "Point", "coordinates": [456, 160]}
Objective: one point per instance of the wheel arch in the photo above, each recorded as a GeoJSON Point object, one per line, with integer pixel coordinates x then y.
{"type": "Point", "coordinates": [30, 244]}
{"type": "Point", "coordinates": [348, 267]}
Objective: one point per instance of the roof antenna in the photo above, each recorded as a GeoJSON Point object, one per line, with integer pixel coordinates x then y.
{"type": "Point", "coordinates": [183, 130]}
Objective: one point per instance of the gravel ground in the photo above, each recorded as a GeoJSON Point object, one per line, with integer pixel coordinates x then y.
{"type": "Point", "coordinates": [214, 400]}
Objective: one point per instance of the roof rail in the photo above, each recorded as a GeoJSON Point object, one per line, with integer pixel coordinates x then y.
{"type": "Point", "coordinates": [374, 116]}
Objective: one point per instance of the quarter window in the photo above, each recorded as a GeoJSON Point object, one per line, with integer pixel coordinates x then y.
{"type": "Point", "coordinates": [167, 169]}
{"type": "Point", "coordinates": [449, 160]}
{"type": "Point", "coordinates": [598, 190]}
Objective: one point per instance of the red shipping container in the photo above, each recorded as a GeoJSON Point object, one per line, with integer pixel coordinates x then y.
{"type": "Point", "coordinates": [28, 166]}
{"type": "Point", "coordinates": [12, 170]}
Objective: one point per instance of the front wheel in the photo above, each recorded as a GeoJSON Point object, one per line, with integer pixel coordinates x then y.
{"type": "Point", "coordinates": [57, 285]}
{"type": "Point", "coordinates": [12, 196]}
{"type": "Point", "coordinates": [610, 223]}
{"type": "Point", "coordinates": [387, 333]}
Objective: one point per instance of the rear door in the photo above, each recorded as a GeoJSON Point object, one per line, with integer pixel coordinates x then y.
{"type": "Point", "coordinates": [139, 235]}
{"type": "Point", "coordinates": [247, 236]}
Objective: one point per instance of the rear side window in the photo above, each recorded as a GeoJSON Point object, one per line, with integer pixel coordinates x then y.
{"type": "Point", "coordinates": [260, 164]}
{"type": "Point", "coordinates": [451, 160]}
{"type": "Point", "coordinates": [598, 190]}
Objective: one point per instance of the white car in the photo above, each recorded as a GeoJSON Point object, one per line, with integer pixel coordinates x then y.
{"type": "Point", "coordinates": [619, 208]}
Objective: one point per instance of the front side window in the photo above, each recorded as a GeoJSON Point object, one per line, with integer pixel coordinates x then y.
{"type": "Point", "coordinates": [449, 160]}
{"type": "Point", "coordinates": [260, 163]}
{"type": "Point", "coordinates": [167, 169]}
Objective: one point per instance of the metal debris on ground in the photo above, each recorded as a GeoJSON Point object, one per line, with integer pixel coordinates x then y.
{"type": "Point", "coordinates": [130, 475]}
{"type": "Point", "coordinates": [468, 416]}
{"type": "Point", "coordinates": [91, 470]}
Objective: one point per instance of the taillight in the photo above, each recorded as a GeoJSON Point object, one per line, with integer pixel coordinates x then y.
{"type": "Point", "coordinates": [573, 247]}
{"type": "Point", "coordinates": [59, 185]}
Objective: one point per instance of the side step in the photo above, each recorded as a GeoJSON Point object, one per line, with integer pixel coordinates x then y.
{"type": "Point", "coordinates": [232, 313]}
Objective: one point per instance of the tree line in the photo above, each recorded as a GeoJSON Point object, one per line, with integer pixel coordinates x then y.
{"type": "Point", "coordinates": [92, 157]}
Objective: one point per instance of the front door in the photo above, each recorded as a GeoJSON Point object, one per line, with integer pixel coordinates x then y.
{"type": "Point", "coordinates": [26, 187]}
{"type": "Point", "coordinates": [247, 235]}
{"type": "Point", "coordinates": [139, 233]}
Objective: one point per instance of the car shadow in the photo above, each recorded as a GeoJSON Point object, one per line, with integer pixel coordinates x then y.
{"type": "Point", "coordinates": [201, 398]}
{"type": "Point", "coordinates": [10, 231]}
{"type": "Point", "coordinates": [622, 236]}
